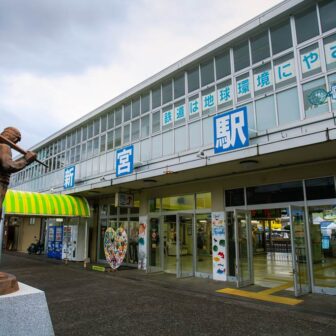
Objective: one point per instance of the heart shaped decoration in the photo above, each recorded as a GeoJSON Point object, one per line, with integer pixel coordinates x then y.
{"type": "Point", "coordinates": [115, 246]}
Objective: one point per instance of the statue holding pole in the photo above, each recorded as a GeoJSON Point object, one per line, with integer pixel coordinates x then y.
{"type": "Point", "coordinates": [9, 139]}
{"type": "Point", "coordinates": [11, 136]}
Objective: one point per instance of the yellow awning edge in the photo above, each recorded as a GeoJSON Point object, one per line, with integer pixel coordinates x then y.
{"type": "Point", "coordinates": [51, 205]}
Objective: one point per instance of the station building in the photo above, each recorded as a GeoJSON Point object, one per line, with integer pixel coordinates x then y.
{"type": "Point", "coordinates": [221, 165]}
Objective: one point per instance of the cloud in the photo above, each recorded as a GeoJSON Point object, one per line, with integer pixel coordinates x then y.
{"type": "Point", "coordinates": [60, 60]}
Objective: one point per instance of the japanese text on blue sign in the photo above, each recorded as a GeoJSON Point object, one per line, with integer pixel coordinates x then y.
{"type": "Point", "coordinates": [231, 130]}
{"type": "Point", "coordinates": [124, 161]}
{"type": "Point", "coordinates": [69, 177]}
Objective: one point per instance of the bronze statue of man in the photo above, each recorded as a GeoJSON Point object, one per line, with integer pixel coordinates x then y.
{"type": "Point", "coordinates": [7, 164]}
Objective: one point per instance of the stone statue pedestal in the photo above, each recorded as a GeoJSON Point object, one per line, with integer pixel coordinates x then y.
{"type": "Point", "coordinates": [25, 312]}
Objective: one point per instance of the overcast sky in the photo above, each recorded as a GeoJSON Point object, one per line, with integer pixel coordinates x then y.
{"type": "Point", "coordinates": [61, 59]}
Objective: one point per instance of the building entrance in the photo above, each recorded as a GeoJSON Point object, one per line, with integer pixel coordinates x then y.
{"type": "Point", "coordinates": [267, 247]}
{"type": "Point", "coordinates": [181, 244]}
{"type": "Point", "coordinates": [171, 244]}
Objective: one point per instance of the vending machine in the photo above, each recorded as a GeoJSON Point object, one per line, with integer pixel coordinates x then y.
{"type": "Point", "coordinates": [55, 240]}
{"type": "Point", "coordinates": [74, 240]}
{"type": "Point", "coordinates": [70, 235]}
{"type": "Point", "coordinates": [51, 242]}
{"type": "Point", "coordinates": [58, 242]}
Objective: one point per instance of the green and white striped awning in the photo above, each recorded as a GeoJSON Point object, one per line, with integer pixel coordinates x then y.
{"type": "Point", "coordinates": [35, 204]}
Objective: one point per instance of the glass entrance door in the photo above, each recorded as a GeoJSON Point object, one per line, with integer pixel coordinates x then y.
{"type": "Point", "coordinates": [185, 245]}
{"type": "Point", "coordinates": [299, 250]}
{"type": "Point", "coordinates": [155, 248]}
{"type": "Point", "coordinates": [322, 225]}
{"type": "Point", "coordinates": [169, 233]}
{"type": "Point", "coordinates": [244, 255]}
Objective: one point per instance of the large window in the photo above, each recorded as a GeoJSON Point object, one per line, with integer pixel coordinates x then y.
{"type": "Point", "coordinates": [110, 140]}
{"type": "Point", "coordinates": [193, 80]}
{"type": "Point", "coordinates": [223, 67]}
{"type": "Point", "coordinates": [281, 37]}
{"type": "Point", "coordinates": [234, 197]}
{"type": "Point", "coordinates": [118, 116]}
{"type": "Point", "coordinates": [321, 188]}
{"type": "Point", "coordinates": [180, 139]}
{"type": "Point", "coordinates": [145, 126]}
{"type": "Point", "coordinates": [327, 14]}
{"type": "Point", "coordinates": [310, 60]}
{"type": "Point", "coordinates": [322, 227]}
{"type": "Point", "coordinates": [136, 107]}
{"type": "Point", "coordinates": [145, 103]}
{"type": "Point", "coordinates": [288, 106]}
{"type": "Point", "coordinates": [265, 113]}
{"type": "Point", "coordinates": [178, 203]}
{"type": "Point", "coordinates": [117, 137]}
{"type": "Point", "coordinates": [156, 117]}
{"type": "Point", "coordinates": [275, 193]}
{"type": "Point", "coordinates": [260, 47]}
{"type": "Point", "coordinates": [156, 97]}
{"type": "Point", "coordinates": [126, 133]}
{"type": "Point", "coordinates": [306, 25]}
{"type": "Point", "coordinates": [195, 141]}
{"type": "Point", "coordinates": [135, 130]}
{"type": "Point", "coordinates": [241, 56]}
{"type": "Point", "coordinates": [110, 120]}
{"type": "Point", "coordinates": [332, 82]}
{"type": "Point", "coordinates": [313, 104]}
{"type": "Point", "coordinates": [330, 51]}
{"type": "Point", "coordinates": [181, 203]}
{"type": "Point", "coordinates": [127, 112]}
{"type": "Point", "coordinates": [207, 73]}
{"type": "Point", "coordinates": [179, 89]}
{"type": "Point", "coordinates": [167, 92]}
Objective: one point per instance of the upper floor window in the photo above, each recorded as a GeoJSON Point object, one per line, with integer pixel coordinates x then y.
{"type": "Point", "coordinates": [281, 37]}
{"type": "Point", "coordinates": [260, 47]}
{"type": "Point", "coordinates": [145, 103]}
{"type": "Point", "coordinates": [327, 14]}
{"type": "Point", "coordinates": [156, 97]}
{"type": "Point", "coordinates": [306, 25]}
{"type": "Point", "coordinates": [179, 86]}
{"type": "Point", "coordinates": [241, 56]}
{"type": "Point", "coordinates": [193, 79]}
{"type": "Point", "coordinates": [167, 92]}
{"type": "Point", "coordinates": [223, 67]}
{"type": "Point", "coordinates": [207, 73]}
{"type": "Point", "coordinates": [127, 111]}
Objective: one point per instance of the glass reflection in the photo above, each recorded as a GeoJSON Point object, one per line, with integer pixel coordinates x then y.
{"type": "Point", "coordinates": [204, 244]}
{"type": "Point", "coordinates": [322, 222]}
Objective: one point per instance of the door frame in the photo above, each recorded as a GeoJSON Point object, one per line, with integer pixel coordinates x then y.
{"type": "Point", "coordinates": [155, 269]}
{"type": "Point", "coordinates": [179, 268]}
{"type": "Point", "coordinates": [239, 281]}
{"type": "Point", "coordinates": [298, 289]}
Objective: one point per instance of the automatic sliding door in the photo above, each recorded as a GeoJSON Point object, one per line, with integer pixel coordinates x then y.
{"type": "Point", "coordinates": [155, 249]}
{"type": "Point", "coordinates": [185, 245]}
{"type": "Point", "coordinates": [169, 232]}
{"type": "Point", "coordinates": [244, 257]}
{"type": "Point", "coordinates": [299, 250]}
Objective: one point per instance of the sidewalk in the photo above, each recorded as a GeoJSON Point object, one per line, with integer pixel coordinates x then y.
{"type": "Point", "coordinates": [81, 298]}
{"type": "Point", "coordinates": [312, 303]}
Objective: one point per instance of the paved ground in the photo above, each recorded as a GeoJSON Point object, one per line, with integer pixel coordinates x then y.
{"type": "Point", "coordinates": [129, 302]}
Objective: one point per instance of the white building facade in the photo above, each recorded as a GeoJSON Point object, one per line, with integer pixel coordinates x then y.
{"type": "Point", "coordinates": [221, 163]}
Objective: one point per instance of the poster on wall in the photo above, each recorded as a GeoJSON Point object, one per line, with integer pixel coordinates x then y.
{"type": "Point", "coordinates": [142, 243]}
{"type": "Point", "coordinates": [115, 246]}
{"type": "Point", "coordinates": [218, 246]}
